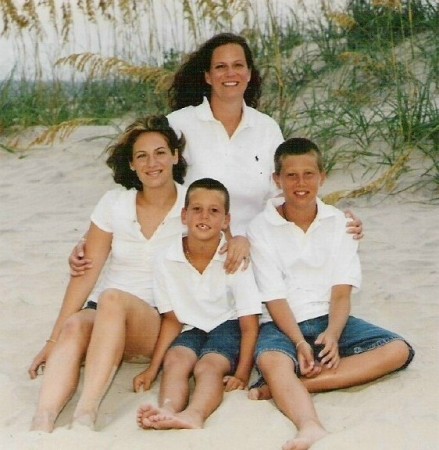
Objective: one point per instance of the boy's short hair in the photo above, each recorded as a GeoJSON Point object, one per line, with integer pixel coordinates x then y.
{"type": "Point", "coordinates": [211, 185]}
{"type": "Point", "coordinates": [296, 146]}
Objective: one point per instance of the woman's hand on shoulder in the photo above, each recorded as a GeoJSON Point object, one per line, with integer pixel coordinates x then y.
{"type": "Point", "coordinates": [354, 226]}
{"type": "Point", "coordinates": [238, 253]}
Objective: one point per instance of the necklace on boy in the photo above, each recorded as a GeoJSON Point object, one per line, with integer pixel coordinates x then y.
{"type": "Point", "coordinates": [186, 252]}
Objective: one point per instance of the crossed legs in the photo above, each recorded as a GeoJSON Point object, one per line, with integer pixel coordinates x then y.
{"type": "Point", "coordinates": [352, 370]}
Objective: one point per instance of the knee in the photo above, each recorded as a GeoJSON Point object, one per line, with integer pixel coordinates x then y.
{"type": "Point", "coordinates": [109, 300]}
{"type": "Point", "coordinates": [271, 359]}
{"type": "Point", "coordinates": [402, 353]}
{"type": "Point", "coordinates": [76, 328]}
{"type": "Point", "coordinates": [172, 360]}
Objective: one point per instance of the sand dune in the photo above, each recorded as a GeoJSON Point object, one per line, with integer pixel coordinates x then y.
{"type": "Point", "coordinates": [46, 196]}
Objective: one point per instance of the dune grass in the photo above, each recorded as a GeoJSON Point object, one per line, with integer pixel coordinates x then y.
{"type": "Point", "coordinates": [363, 82]}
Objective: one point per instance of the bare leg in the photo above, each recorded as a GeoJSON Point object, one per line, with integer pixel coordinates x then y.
{"type": "Point", "coordinates": [124, 323]}
{"type": "Point", "coordinates": [352, 370]}
{"type": "Point", "coordinates": [292, 398]}
{"type": "Point", "coordinates": [208, 394]}
{"type": "Point", "coordinates": [62, 369]}
{"type": "Point", "coordinates": [360, 369]}
{"type": "Point", "coordinates": [178, 366]}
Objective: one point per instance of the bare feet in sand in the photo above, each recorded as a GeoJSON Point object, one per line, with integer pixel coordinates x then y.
{"type": "Point", "coordinates": [151, 417]}
{"type": "Point", "coordinates": [144, 414]}
{"type": "Point", "coordinates": [43, 422]}
{"type": "Point", "coordinates": [84, 420]}
{"type": "Point", "coordinates": [309, 433]}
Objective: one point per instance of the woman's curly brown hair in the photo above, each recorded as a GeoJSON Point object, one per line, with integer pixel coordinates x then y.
{"type": "Point", "coordinates": [120, 154]}
{"type": "Point", "coordinates": [189, 85]}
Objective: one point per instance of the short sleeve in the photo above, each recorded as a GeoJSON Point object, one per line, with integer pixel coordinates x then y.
{"type": "Point", "coordinates": [101, 215]}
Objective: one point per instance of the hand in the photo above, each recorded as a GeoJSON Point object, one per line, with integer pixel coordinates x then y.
{"type": "Point", "coordinates": [329, 355]}
{"type": "Point", "coordinates": [232, 383]}
{"type": "Point", "coordinates": [308, 366]}
{"type": "Point", "coordinates": [144, 380]}
{"type": "Point", "coordinates": [78, 264]}
{"type": "Point", "coordinates": [40, 360]}
{"type": "Point", "coordinates": [238, 252]}
{"type": "Point", "coordinates": [355, 226]}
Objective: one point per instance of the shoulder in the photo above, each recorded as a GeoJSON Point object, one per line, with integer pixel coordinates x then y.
{"type": "Point", "coordinates": [118, 194]}
{"type": "Point", "coordinates": [329, 211]}
{"type": "Point", "coordinates": [181, 115]}
{"type": "Point", "coordinates": [261, 118]}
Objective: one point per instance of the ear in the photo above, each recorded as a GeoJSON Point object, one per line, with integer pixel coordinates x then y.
{"type": "Point", "coordinates": [226, 223]}
{"type": "Point", "coordinates": [183, 216]}
{"type": "Point", "coordinates": [207, 78]}
{"type": "Point", "coordinates": [249, 76]}
{"type": "Point", "coordinates": [322, 178]}
{"type": "Point", "coordinates": [175, 157]}
{"type": "Point", "coordinates": [276, 180]}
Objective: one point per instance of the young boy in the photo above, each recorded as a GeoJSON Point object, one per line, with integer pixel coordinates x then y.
{"type": "Point", "coordinates": [306, 267]}
{"type": "Point", "coordinates": [216, 312]}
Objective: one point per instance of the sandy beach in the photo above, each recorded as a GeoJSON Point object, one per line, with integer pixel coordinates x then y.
{"type": "Point", "coordinates": [46, 197]}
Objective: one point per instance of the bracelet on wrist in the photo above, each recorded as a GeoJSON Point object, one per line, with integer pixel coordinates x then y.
{"type": "Point", "coordinates": [51, 340]}
{"type": "Point", "coordinates": [300, 343]}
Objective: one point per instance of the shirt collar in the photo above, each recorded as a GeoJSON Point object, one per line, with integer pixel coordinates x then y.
{"type": "Point", "coordinates": [204, 112]}
{"type": "Point", "coordinates": [323, 211]}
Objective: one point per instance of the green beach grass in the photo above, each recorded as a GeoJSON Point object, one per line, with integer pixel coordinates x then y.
{"type": "Point", "coordinates": [362, 81]}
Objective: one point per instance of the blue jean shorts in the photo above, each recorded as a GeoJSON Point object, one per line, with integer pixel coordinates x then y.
{"type": "Point", "coordinates": [224, 340]}
{"type": "Point", "coordinates": [358, 336]}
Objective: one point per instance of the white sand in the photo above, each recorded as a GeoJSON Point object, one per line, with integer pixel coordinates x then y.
{"type": "Point", "coordinates": [46, 198]}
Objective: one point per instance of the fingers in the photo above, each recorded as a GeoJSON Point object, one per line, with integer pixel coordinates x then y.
{"type": "Point", "coordinates": [232, 383]}
{"type": "Point", "coordinates": [33, 369]}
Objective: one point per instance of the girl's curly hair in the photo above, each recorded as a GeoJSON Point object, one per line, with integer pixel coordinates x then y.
{"type": "Point", "coordinates": [120, 154]}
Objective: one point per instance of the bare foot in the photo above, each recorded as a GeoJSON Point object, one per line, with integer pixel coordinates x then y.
{"type": "Point", "coordinates": [43, 422]}
{"type": "Point", "coordinates": [310, 433]}
{"type": "Point", "coordinates": [178, 421]}
{"type": "Point", "coordinates": [144, 414]}
{"type": "Point", "coordinates": [84, 420]}
{"type": "Point", "coordinates": [260, 393]}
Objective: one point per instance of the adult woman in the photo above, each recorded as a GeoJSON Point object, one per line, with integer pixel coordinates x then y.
{"type": "Point", "coordinates": [213, 97]}
{"type": "Point", "coordinates": [134, 223]}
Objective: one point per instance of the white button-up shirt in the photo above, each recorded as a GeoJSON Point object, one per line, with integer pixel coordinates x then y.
{"type": "Point", "coordinates": [130, 266]}
{"type": "Point", "coordinates": [243, 162]}
{"type": "Point", "coordinates": [205, 300]}
{"type": "Point", "coordinates": [302, 267]}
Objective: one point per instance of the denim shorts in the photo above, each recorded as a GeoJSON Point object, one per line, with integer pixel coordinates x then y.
{"type": "Point", "coordinates": [224, 340]}
{"type": "Point", "coordinates": [358, 336]}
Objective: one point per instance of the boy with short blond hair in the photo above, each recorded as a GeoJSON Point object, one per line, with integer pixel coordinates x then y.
{"type": "Point", "coordinates": [306, 267]}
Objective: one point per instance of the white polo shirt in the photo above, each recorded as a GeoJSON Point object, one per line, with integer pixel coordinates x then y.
{"type": "Point", "coordinates": [205, 300]}
{"type": "Point", "coordinates": [243, 162]}
{"type": "Point", "coordinates": [130, 265]}
{"type": "Point", "coordinates": [302, 267]}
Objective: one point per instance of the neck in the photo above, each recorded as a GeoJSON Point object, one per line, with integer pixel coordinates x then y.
{"type": "Point", "coordinates": [228, 113]}
{"type": "Point", "coordinates": [161, 196]}
{"type": "Point", "coordinates": [200, 253]}
{"type": "Point", "coordinates": [303, 218]}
